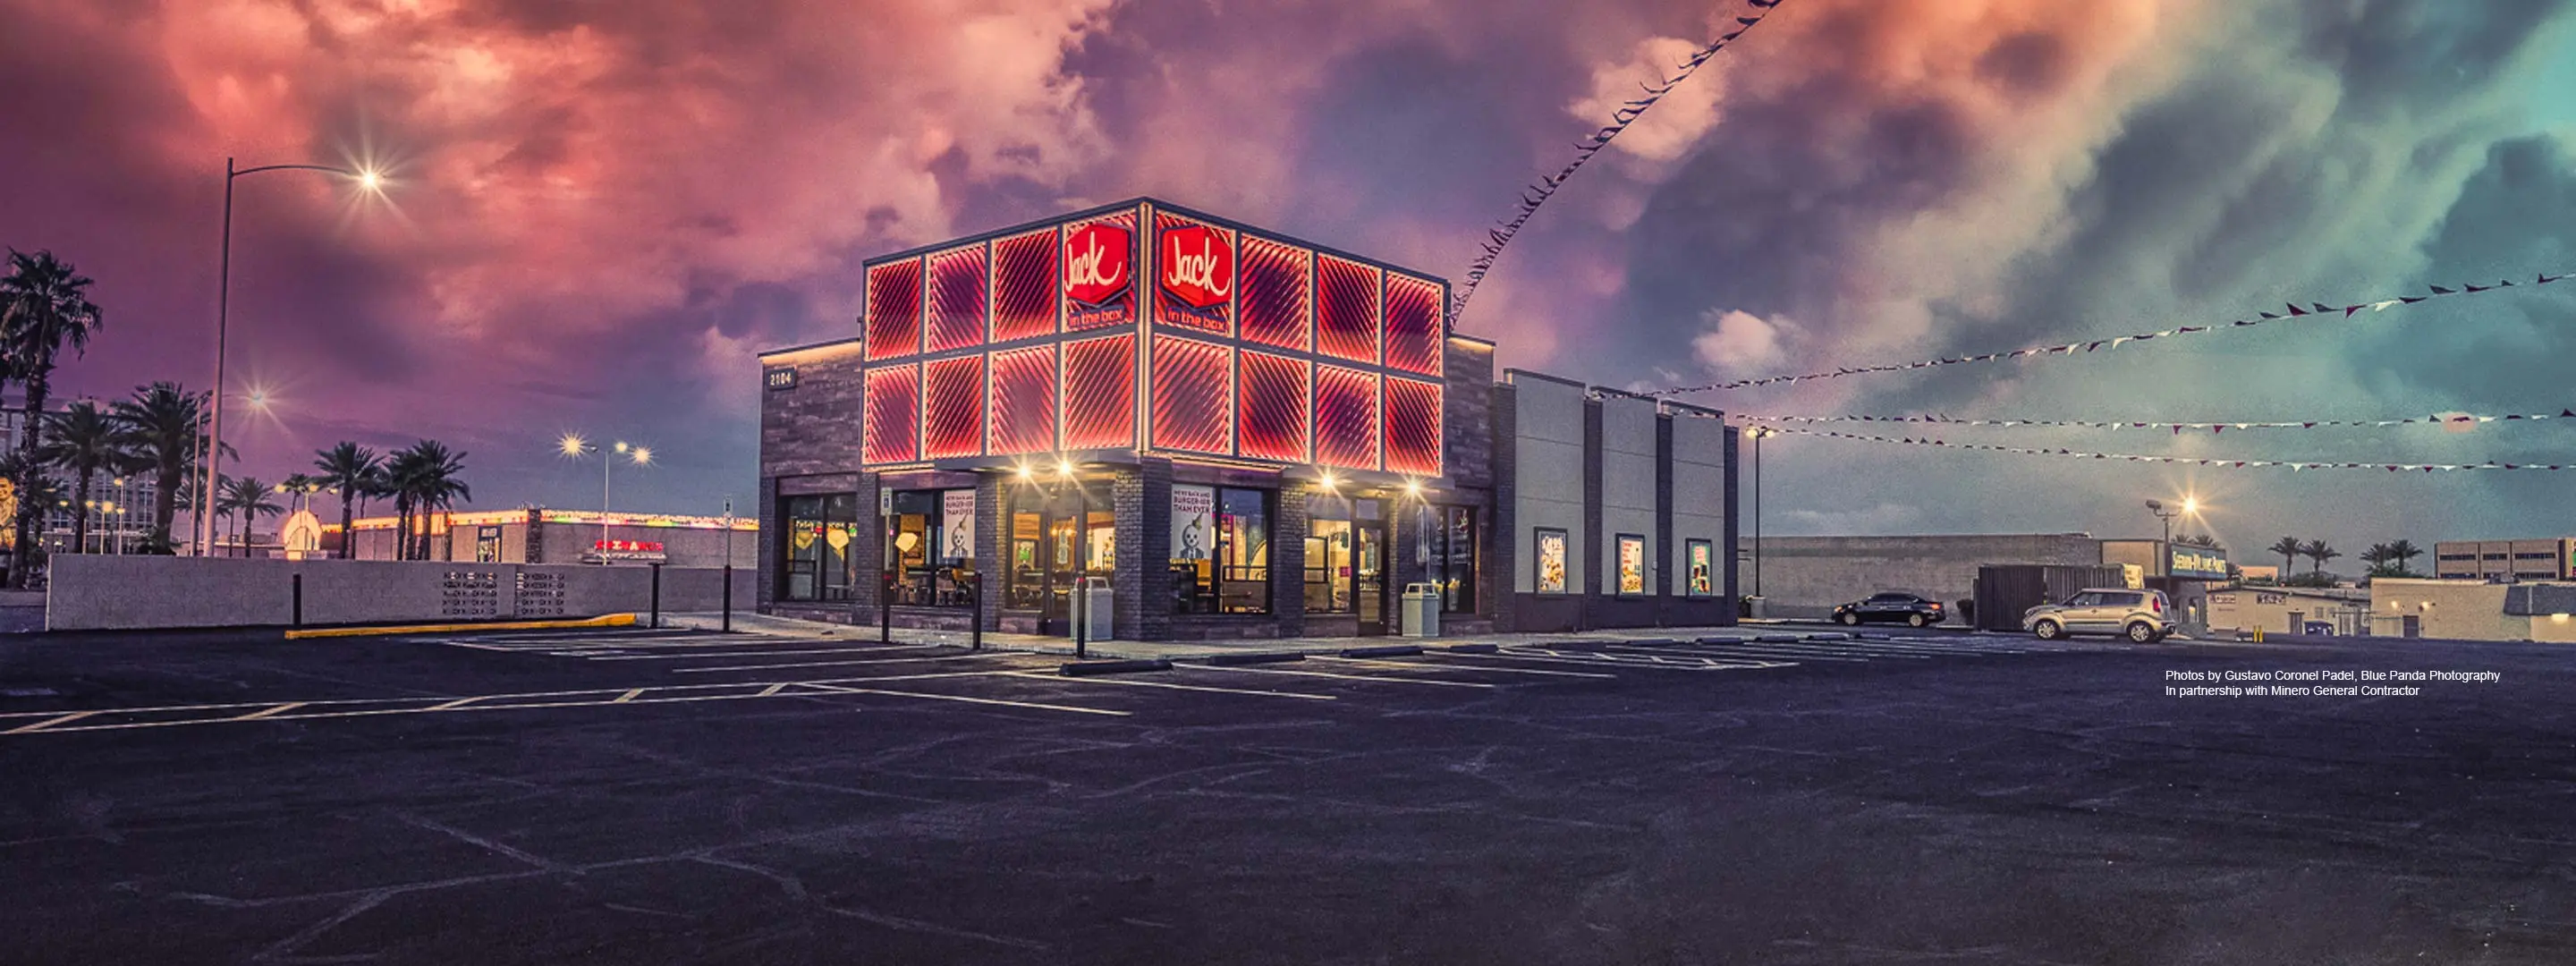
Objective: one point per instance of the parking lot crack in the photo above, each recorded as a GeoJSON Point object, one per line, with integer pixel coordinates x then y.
{"type": "Point", "coordinates": [497, 848]}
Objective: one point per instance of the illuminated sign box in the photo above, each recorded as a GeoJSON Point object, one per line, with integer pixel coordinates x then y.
{"type": "Point", "coordinates": [2198, 562]}
{"type": "Point", "coordinates": [1149, 328]}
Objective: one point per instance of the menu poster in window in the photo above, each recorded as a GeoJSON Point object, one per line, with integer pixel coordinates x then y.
{"type": "Point", "coordinates": [957, 511]}
{"type": "Point", "coordinates": [1551, 561]}
{"type": "Point", "coordinates": [1632, 565]}
{"type": "Point", "coordinates": [1193, 522]}
{"type": "Point", "coordinates": [1701, 582]}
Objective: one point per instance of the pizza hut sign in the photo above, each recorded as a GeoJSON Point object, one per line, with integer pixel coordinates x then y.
{"type": "Point", "coordinates": [626, 546]}
{"type": "Point", "coordinates": [1096, 263]}
{"type": "Point", "coordinates": [1198, 266]}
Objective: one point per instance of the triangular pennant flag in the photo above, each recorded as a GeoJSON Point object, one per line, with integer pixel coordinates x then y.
{"type": "Point", "coordinates": [2477, 288]}
{"type": "Point", "coordinates": [2295, 309]}
{"type": "Point", "coordinates": [2546, 278]}
{"type": "Point", "coordinates": [2267, 315]}
{"type": "Point", "coordinates": [2438, 290]}
{"type": "Point", "coordinates": [2349, 310]}
{"type": "Point", "coordinates": [2410, 299]}
{"type": "Point", "coordinates": [2319, 308]}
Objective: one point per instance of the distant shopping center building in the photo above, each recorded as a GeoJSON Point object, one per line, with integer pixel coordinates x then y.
{"type": "Point", "coordinates": [1236, 432]}
{"type": "Point", "coordinates": [2545, 558]}
{"type": "Point", "coordinates": [541, 535]}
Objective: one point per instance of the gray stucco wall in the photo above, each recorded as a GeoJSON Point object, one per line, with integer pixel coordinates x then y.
{"type": "Point", "coordinates": [1806, 576]}
{"type": "Point", "coordinates": [1627, 485]}
{"type": "Point", "coordinates": [1699, 500]}
{"type": "Point", "coordinates": [1548, 472]}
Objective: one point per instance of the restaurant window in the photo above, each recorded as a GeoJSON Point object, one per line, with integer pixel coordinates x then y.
{"type": "Point", "coordinates": [1061, 532]}
{"type": "Point", "coordinates": [1344, 558]}
{"type": "Point", "coordinates": [487, 545]}
{"type": "Point", "coordinates": [1220, 550]}
{"type": "Point", "coordinates": [817, 532]}
{"type": "Point", "coordinates": [1453, 556]}
{"type": "Point", "coordinates": [1548, 576]}
{"type": "Point", "coordinates": [933, 547]}
{"type": "Point", "coordinates": [1700, 557]}
{"type": "Point", "coordinates": [1632, 565]}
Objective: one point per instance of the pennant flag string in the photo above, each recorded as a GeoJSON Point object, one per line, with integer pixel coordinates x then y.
{"type": "Point", "coordinates": [2314, 310]}
{"type": "Point", "coordinates": [2213, 462]}
{"type": "Point", "coordinates": [2454, 421]}
{"type": "Point", "coordinates": [1538, 192]}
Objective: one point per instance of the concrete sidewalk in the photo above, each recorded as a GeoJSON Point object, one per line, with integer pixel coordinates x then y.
{"type": "Point", "coordinates": [1185, 650]}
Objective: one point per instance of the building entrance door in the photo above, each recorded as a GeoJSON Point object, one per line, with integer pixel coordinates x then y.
{"type": "Point", "coordinates": [1368, 572]}
{"type": "Point", "coordinates": [1059, 535]}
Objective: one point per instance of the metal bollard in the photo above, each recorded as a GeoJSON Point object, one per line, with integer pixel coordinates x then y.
{"type": "Point", "coordinates": [299, 601]}
{"type": "Point", "coordinates": [975, 590]}
{"type": "Point", "coordinates": [727, 626]}
{"type": "Point", "coordinates": [1081, 625]}
{"type": "Point", "coordinates": [657, 596]}
{"type": "Point", "coordinates": [885, 611]}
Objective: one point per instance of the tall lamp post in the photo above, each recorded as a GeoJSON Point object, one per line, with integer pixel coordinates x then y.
{"type": "Point", "coordinates": [1758, 433]}
{"type": "Point", "coordinates": [373, 182]}
{"type": "Point", "coordinates": [2164, 550]}
{"type": "Point", "coordinates": [573, 445]}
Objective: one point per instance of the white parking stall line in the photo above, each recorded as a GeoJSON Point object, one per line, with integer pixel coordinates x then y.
{"type": "Point", "coordinates": [1597, 659]}
{"type": "Point", "coordinates": [865, 660]}
{"type": "Point", "coordinates": [1074, 709]}
{"type": "Point", "coordinates": [1451, 655]}
{"type": "Point", "coordinates": [1760, 651]}
{"type": "Point", "coordinates": [1043, 676]}
{"type": "Point", "coordinates": [1237, 669]}
{"type": "Point", "coordinates": [1366, 662]}
{"type": "Point", "coordinates": [802, 652]}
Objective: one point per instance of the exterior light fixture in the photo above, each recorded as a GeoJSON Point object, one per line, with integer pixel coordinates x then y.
{"type": "Point", "coordinates": [1064, 468]}
{"type": "Point", "coordinates": [1413, 488]}
{"type": "Point", "coordinates": [1027, 473]}
{"type": "Point", "coordinates": [572, 445]}
{"type": "Point", "coordinates": [1328, 481]}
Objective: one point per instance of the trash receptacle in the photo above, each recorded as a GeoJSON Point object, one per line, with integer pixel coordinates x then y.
{"type": "Point", "coordinates": [1421, 613]}
{"type": "Point", "coordinates": [1091, 608]}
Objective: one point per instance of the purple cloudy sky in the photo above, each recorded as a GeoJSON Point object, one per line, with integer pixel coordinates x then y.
{"type": "Point", "coordinates": [603, 210]}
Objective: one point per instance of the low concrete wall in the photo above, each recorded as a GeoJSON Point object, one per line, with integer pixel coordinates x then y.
{"type": "Point", "coordinates": [1807, 576]}
{"type": "Point", "coordinates": [108, 592]}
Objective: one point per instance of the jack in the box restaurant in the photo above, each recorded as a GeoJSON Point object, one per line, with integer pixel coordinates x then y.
{"type": "Point", "coordinates": [1220, 431]}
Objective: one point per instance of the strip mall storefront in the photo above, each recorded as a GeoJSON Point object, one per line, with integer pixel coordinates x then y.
{"type": "Point", "coordinates": [1239, 433]}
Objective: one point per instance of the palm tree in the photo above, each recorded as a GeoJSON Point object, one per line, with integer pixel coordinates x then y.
{"type": "Point", "coordinates": [2201, 540]}
{"type": "Point", "coordinates": [354, 471]}
{"type": "Point", "coordinates": [2377, 558]}
{"type": "Point", "coordinates": [298, 488]}
{"type": "Point", "coordinates": [2290, 551]}
{"type": "Point", "coordinates": [169, 428]}
{"type": "Point", "coordinates": [425, 479]}
{"type": "Point", "coordinates": [250, 497]}
{"type": "Point", "coordinates": [86, 441]}
{"type": "Point", "coordinates": [43, 304]}
{"type": "Point", "coordinates": [2318, 551]}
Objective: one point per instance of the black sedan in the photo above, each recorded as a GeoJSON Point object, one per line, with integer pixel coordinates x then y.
{"type": "Point", "coordinates": [1891, 608]}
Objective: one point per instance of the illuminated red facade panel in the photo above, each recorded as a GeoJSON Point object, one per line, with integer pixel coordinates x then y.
{"type": "Point", "coordinates": [952, 408]}
{"type": "Point", "coordinates": [1272, 423]}
{"type": "Point", "coordinates": [1194, 275]}
{"type": "Point", "coordinates": [957, 298]}
{"type": "Point", "coordinates": [1345, 418]}
{"type": "Point", "coordinates": [1275, 293]}
{"type": "Point", "coordinates": [1412, 426]}
{"type": "Point", "coordinates": [1412, 326]}
{"type": "Point", "coordinates": [1026, 286]}
{"type": "Point", "coordinates": [1100, 393]}
{"type": "Point", "coordinates": [1346, 309]}
{"type": "Point", "coordinates": [893, 414]}
{"type": "Point", "coordinates": [1193, 395]}
{"type": "Point", "coordinates": [1100, 266]}
{"type": "Point", "coordinates": [1023, 403]}
{"type": "Point", "coordinates": [894, 309]}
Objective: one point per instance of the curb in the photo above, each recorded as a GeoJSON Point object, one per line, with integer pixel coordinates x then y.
{"type": "Point", "coordinates": [1652, 642]}
{"type": "Point", "coordinates": [1267, 657]}
{"type": "Point", "coordinates": [1087, 668]}
{"type": "Point", "coordinates": [1398, 650]}
{"type": "Point", "coordinates": [1473, 648]}
{"type": "Point", "coordinates": [610, 620]}
{"type": "Point", "coordinates": [1779, 639]}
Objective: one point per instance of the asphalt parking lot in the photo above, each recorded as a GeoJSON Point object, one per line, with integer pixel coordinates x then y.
{"type": "Point", "coordinates": [707, 798]}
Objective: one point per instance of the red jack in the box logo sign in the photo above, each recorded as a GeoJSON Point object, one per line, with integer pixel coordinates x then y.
{"type": "Point", "coordinates": [1198, 266]}
{"type": "Point", "coordinates": [1097, 260]}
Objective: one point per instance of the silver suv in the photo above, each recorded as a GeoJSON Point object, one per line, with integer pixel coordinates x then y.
{"type": "Point", "coordinates": [2142, 615]}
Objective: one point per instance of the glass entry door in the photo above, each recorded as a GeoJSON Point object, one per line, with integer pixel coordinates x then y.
{"type": "Point", "coordinates": [1368, 570]}
{"type": "Point", "coordinates": [1060, 534]}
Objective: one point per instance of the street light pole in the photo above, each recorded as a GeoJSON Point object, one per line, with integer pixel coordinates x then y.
{"type": "Point", "coordinates": [212, 441]}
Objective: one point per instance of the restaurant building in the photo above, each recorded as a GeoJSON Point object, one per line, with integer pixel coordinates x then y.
{"type": "Point", "coordinates": [1239, 434]}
